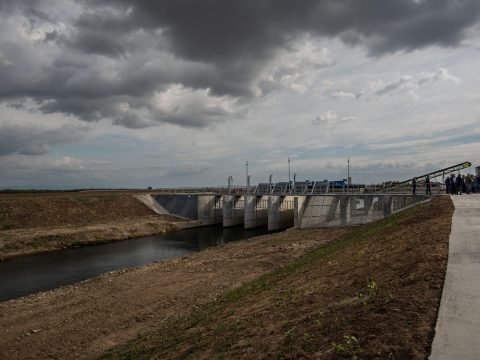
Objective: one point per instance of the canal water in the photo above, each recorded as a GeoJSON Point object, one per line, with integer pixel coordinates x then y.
{"type": "Point", "coordinates": [34, 273]}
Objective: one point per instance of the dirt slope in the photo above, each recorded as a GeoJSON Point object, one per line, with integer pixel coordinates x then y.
{"type": "Point", "coordinates": [372, 295]}
{"type": "Point", "coordinates": [45, 211]}
{"type": "Point", "coordinates": [296, 308]}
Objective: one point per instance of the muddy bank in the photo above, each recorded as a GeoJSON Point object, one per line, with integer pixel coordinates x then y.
{"type": "Point", "coordinates": [32, 223]}
{"type": "Point", "coordinates": [85, 319]}
{"type": "Point", "coordinates": [33, 241]}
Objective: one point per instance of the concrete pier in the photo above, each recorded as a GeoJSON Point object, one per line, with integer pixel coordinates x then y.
{"type": "Point", "coordinates": [210, 209]}
{"type": "Point", "coordinates": [280, 212]}
{"type": "Point", "coordinates": [233, 210]}
{"type": "Point", "coordinates": [256, 211]}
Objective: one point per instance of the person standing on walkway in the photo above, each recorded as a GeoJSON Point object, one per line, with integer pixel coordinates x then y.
{"type": "Point", "coordinates": [475, 184]}
{"type": "Point", "coordinates": [447, 185]}
{"type": "Point", "coordinates": [453, 184]}
{"type": "Point", "coordinates": [427, 183]}
{"type": "Point", "coordinates": [414, 185]}
{"type": "Point", "coordinates": [468, 183]}
{"type": "Point", "coordinates": [459, 184]}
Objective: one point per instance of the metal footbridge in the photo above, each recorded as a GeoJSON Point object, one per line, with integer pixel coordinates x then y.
{"type": "Point", "coordinates": [432, 175]}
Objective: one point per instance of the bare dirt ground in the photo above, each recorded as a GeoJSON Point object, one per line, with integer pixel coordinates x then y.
{"type": "Point", "coordinates": [370, 292]}
{"type": "Point", "coordinates": [84, 320]}
{"type": "Point", "coordinates": [374, 294]}
{"type": "Point", "coordinates": [32, 222]}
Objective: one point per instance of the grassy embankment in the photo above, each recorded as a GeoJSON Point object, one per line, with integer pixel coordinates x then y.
{"type": "Point", "coordinates": [373, 294]}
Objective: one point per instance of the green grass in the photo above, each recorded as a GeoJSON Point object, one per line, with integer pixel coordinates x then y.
{"type": "Point", "coordinates": [174, 332]}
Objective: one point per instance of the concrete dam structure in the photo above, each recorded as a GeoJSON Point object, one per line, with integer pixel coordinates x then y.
{"type": "Point", "coordinates": [348, 210]}
{"type": "Point", "coordinates": [284, 211]}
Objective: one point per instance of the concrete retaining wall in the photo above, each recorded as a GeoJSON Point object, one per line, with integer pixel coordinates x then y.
{"type": "Point", "coordinates": [346, 210]}
{"type": "Point", "coordinates": [150, 202]}
{"type": "Point", "coordinates": [178, 204]}
{"type": "Point", "coordinates": [207, 209]}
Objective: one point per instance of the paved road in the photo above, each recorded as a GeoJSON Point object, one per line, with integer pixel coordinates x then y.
{"type": "Point", "coordinates": [457, 334]}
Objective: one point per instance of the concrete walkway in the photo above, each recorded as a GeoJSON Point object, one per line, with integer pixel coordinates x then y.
{"type": "Point", "coordinates": [457, 334]}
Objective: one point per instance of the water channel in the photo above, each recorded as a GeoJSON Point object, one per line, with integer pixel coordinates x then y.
{"type": "Point", "coordinates": [34, 273]}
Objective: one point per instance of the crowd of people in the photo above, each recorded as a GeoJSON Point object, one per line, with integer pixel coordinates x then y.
{"type": "Point", "coordinates": [454, 184]}
{"type": "Point", "coordinates": [462, 184]}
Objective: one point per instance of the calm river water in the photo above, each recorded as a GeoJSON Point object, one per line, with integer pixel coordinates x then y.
{"type": "Point", "coordinates": [30, 274]}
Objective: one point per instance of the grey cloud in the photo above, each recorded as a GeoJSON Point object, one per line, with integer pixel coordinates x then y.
{"type": "Point", "coordinates": [62, 173]}
{"type": "Point", "coordinates": [219, 30]}
{"type": "Point", "coordinates": [412, 82]}
{"type": "Point", "coordinates": [329, 122]}
{"type": "Point", "coordinates": [33, 140]}
{"type": "Point", "coordinates": [12, 5]}
{"type": "Point", "coordinates": [93, 42]}
{"type": "Point", "coordinates": [345, 95]}
{"type": "Point", "coordinates": [350, 37]}
{"type": "Point", "coordinates": [393, 85]}
{"type": "Point", "coordinates": [51, 36]}
{"type": "Point", "coordinates": [84, 109]}
{"type": "Point", "coordinates": [125, 51]}
{"type": "Point", "coordinates": [200, 119]}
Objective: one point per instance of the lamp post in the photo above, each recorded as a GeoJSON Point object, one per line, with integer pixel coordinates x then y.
{"type": "Point", "coordinates": [230, 181]}
{"type": "Point", "coordinates": [248, 177]}
{"type": "Point", "coordinates": [348, 174]}
{"type": "Point", "coordinates": [289, 171]}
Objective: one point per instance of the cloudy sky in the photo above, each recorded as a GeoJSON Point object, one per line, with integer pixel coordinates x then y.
{"type": "Point", "coordinates": [125, 93]}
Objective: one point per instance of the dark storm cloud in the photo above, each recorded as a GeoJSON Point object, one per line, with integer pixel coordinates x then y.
{"type": "Point", "coordinates": [219, 30]}
{"type": "Point", "coordinates": [110, 58]}
{"type": "Point", "coordinates": [93, 42]}
{"type": "Point", "coordinates": [33, 140]}
{"type": "Point", "coordinates": [11, 5]}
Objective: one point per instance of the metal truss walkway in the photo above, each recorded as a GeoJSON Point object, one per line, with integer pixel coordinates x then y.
{"type": "Point", "coordinates": [431, 175]}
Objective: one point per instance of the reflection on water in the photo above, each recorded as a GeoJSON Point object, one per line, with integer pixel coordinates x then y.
{"type": "Point", "coordinates": [34, 273]}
